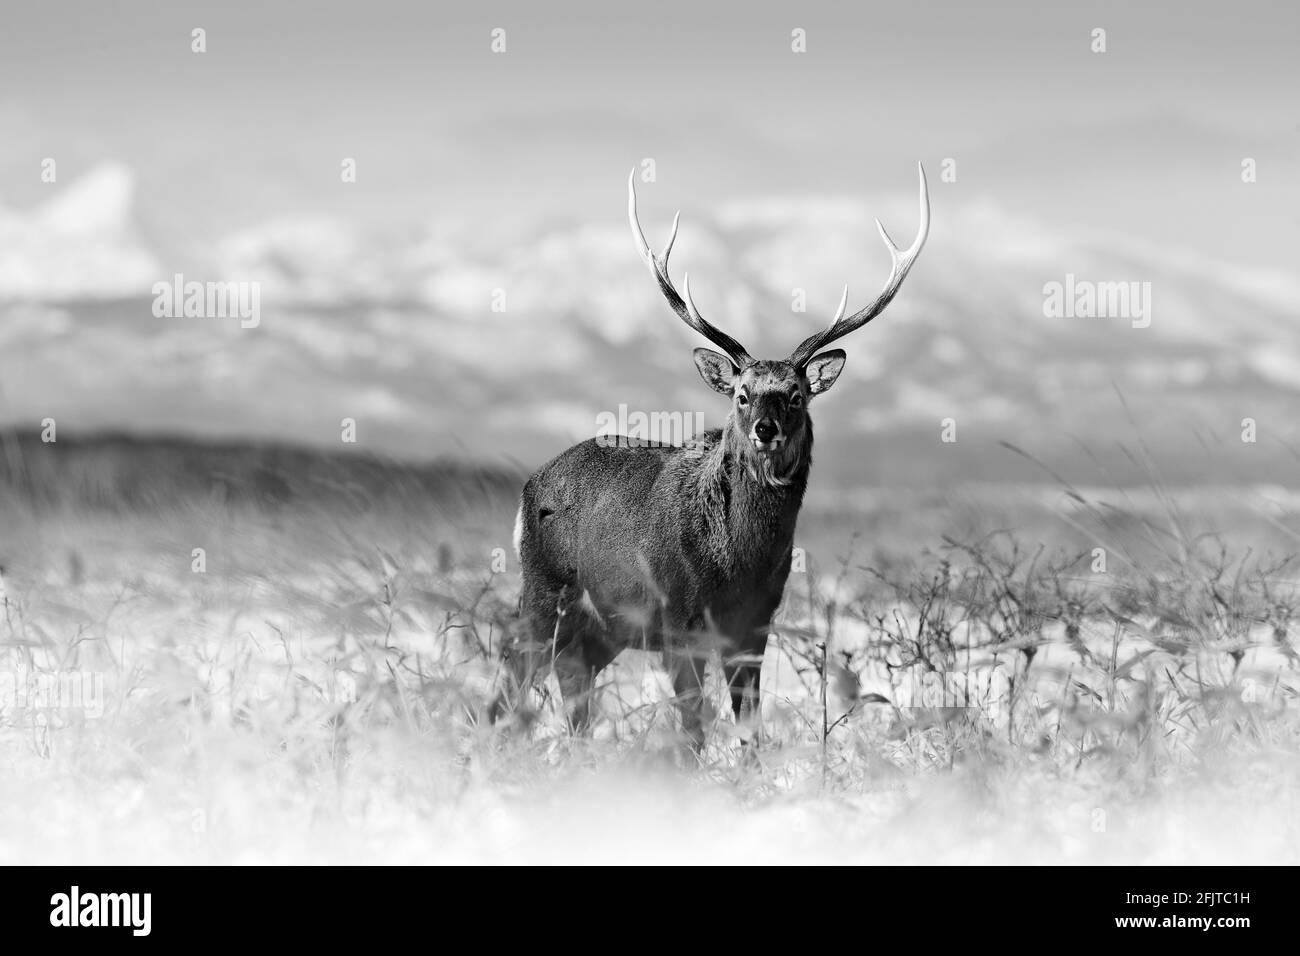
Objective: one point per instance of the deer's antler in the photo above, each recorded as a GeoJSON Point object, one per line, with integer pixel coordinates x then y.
{"type": "Point", "coordinates": [902, 263]}
{"type": "Point", "coordinates": [681, 303]}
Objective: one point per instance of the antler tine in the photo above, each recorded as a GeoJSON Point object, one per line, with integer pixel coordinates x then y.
{"type": "Point", "coordinates": [901, 264]}
{"type": "Point", "coordinates": [844, 301]}
{"type": "Point", "coordinates": [682, 305]}
{"type": "Point", "coordinates": [690, 303]}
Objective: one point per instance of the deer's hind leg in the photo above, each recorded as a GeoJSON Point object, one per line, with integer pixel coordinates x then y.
{"type": "Point", "coordinates": [529, 650]}
{"type": "Point", "coordinates": [582, 651]}
{"type": "Point", "coordinates": [560, 631]}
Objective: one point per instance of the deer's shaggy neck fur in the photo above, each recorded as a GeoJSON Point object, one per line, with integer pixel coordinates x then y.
{"type": "Point", "coordinates": [753, 500]}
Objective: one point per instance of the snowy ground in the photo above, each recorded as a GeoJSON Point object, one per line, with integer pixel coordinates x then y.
{"type": "Point", "coordinates": [315, 694]}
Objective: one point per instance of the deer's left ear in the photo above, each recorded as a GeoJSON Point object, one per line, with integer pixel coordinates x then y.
{"type": "Point", "coordinates": [716, 369]}
{"type": "Point", "coordinates": [824, 369]}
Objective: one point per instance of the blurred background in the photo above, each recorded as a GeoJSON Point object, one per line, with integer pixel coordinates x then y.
{"type": "Point", "coordinates": [487, 177]}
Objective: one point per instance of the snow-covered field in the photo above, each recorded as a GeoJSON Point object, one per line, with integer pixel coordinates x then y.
{"type": "Point", "coordinates": [210, 682]}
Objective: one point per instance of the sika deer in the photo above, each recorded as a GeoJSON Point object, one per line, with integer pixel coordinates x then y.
{"type": "Point", "coordinates": [626, 543]}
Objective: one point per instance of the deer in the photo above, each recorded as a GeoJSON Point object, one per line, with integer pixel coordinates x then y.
{"type": "Point", "coordinates": [681, 548]}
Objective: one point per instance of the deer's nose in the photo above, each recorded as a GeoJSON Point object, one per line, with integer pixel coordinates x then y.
{"type": "Point", "coordinates": [765, 429]}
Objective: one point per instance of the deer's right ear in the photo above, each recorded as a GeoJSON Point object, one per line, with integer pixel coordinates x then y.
{"type": "Point", "coordinates": [716, 369]}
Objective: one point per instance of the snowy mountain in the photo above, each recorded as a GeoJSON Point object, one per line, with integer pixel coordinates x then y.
{"type": "Point", "coordinates": [82, 242]}
{"type": "Point", "coordinates": [440, 344]}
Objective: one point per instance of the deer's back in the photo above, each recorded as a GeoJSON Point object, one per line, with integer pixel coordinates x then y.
{"type": "Point", "coordinates": [608, 515]}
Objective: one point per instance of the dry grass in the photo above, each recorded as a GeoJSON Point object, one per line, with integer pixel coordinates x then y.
{"type": "Point", "coordinates": [319, 693]}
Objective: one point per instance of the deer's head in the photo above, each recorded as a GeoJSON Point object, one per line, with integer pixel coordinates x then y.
{"type": "Point", "coordinates": [769, 416]}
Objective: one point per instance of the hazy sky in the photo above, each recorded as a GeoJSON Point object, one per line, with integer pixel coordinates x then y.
{"type": "Point", "coordinates": [478, 169]}
{"type": "Point", "coordinates": [1145, 139]}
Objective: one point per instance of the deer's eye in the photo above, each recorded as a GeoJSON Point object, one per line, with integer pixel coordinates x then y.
{"type": "Point", "coordinates": [796, 400]}
{"type": "Point", "coordinates": [742, 399]}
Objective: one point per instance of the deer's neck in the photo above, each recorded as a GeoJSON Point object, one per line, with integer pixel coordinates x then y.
{"type": "Point", "coordinates": [762, 496]}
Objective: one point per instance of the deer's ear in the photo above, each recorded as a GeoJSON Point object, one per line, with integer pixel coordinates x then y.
{"type": "Point", "coordinates": [716, 370]}
{"type": "Point", "coordinates": [824, 369]}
